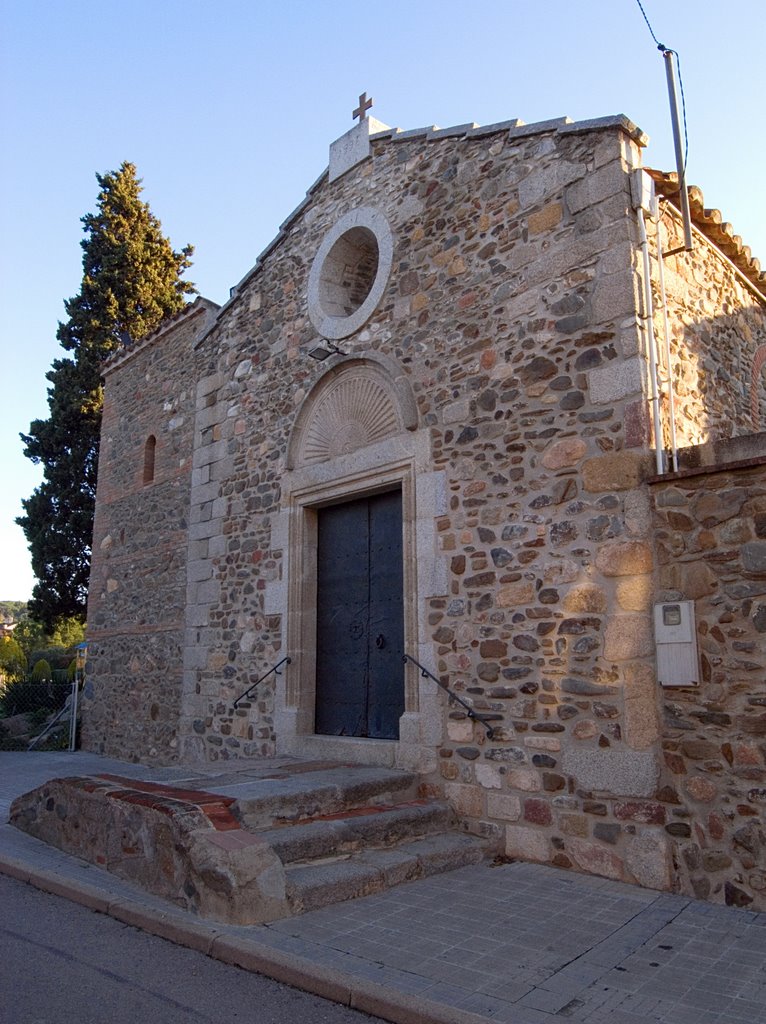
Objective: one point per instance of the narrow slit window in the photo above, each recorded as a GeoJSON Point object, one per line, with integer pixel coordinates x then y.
{"type": "Point", "coordinates": [149, 453]}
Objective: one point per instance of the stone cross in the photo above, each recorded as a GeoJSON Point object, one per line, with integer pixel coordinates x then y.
{"type": "Point", "coordinates": [364, 106]}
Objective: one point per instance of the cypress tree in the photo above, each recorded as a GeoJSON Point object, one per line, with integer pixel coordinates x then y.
{"type": "Point", "coordinates": [131, 282]}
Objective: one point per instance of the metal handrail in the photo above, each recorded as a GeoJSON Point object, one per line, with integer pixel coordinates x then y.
{"type": "Point", "coordinates": [484, 719]}
{"type": "Point", "coordinates": [274, 668]}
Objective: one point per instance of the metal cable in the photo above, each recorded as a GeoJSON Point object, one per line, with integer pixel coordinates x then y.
{"type": "Point", "coordinates": [666, 49]}
{"type": "Point", "coordinates": [660, 46]}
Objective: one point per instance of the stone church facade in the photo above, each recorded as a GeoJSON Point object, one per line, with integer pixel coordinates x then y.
{"type": "Point", "coordinates": [465, 473]}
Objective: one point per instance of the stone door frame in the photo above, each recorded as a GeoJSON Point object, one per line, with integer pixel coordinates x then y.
{"type": "Point", "coordinates": [317, 475]}
{"type": "Point", "coordinates": [295, 725]}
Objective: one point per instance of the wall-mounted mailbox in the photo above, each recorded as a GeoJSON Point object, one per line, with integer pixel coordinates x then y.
{"type": "Point", "coordinates": [676, 639]}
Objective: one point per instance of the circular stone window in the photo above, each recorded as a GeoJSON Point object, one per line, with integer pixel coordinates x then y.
{"type": "Point", "coordinates": [350, 272]}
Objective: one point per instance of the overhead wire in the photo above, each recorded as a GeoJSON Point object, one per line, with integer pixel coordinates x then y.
{"type": "Point", "coordinates": [660, 46]}
{"type": "Point", "coordinates": [667, 49]}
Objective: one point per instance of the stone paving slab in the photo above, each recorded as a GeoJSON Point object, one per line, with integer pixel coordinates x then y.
{"type": "Point", "coordinates": [513, 944]}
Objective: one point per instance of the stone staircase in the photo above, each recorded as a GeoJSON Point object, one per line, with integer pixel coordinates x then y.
{"type": "Point", "coordinates": [259, 845]}
{"type": "Point", "coordinates": [356, 832]}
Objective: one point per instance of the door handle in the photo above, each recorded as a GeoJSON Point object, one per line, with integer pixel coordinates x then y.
{"type": "Point", "coordinates": [380, 641]}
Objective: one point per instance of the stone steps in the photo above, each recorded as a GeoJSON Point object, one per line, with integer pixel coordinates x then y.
{"type": "Point", "coordinates": [340, 836]}
{"type": "Point", "coordinates": [332, 791]}
{"type": "Point", "coordinates": [335, 879]}
{"type": "Point", "coordinates": [351, 831]}
{"type": "Point", "coordinates": [258, 845]}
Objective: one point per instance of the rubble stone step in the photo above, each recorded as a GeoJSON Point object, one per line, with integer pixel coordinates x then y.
{"type": "Point", "coordinates": [350, 831]}
{"type": "Point", "coordinates": [322, 793]}
{"type": "Point", "coordinates": [258, 849]}
{"type": "Point", "coordinates": [335, 879]}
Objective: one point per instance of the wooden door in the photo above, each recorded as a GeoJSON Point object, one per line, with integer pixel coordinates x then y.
{"type": "Point", "coordinates": [360, 618]}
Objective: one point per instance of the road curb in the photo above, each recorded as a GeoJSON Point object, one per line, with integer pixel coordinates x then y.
{"type": "Point", "coordinates": [197, 935]}
{"type": "Point", "coordinates": [86, 895]}
{"type": "Point", "coordinates": [288, 968]}
{"type": "Point", "coordinates": [14, 868]}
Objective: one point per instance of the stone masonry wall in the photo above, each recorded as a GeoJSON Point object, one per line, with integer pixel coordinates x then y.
{"type": "Point", "coordinates": [513, 309]}
{"type": "Point", "coordinates": [711, 533]}
{"type": "Point", "coordinates": [717, 326]}
{"type": "Point", "coordinates": [138, 575]}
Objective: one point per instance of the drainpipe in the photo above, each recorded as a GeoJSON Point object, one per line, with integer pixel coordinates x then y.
{"type": "Point", "coordinates": [668, 363]}
{"type": "Point", "coordinates": [642, 190]}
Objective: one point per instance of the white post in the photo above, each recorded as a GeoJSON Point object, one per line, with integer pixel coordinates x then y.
{"type": "Point", "coordinates": [680, 157]}
{"type": "Point", "coordinates": [73, 711]}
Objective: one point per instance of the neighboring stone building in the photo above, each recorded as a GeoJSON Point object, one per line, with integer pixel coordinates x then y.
{"type": "Point", "coordinates": [469, 477]}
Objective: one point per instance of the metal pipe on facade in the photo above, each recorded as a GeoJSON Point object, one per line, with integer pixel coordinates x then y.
{"type": "Point", "coordinates": [651, 342]}
{"type": "Point", "coordinates": [680, 157]}
{"type": "Point", "coordinates": [668, 358]}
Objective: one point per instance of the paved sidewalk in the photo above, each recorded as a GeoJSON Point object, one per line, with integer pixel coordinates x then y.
{"type": "Point", "coordinates": [519, 943]}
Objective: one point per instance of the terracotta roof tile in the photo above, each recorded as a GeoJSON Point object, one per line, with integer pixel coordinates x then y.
{"type": "Point", "coordinates": [711, 223]}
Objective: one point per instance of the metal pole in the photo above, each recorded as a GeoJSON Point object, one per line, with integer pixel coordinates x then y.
{"type": "Point", "coordinates": [652, 345]}
{"type": "Point", "coordinates": [668, 355]}
{"type": "Point", "coordinates": [73, 712]}
{"type": "Point", "coordinates": [680, 160]}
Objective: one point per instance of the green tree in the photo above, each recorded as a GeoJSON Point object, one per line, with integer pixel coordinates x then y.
{"type": "Point", "coordinates": [32, 637]}
{"type": "Point", "coordinates": [29, 635]}
{"type": "Point", "coordinates": [68, 633]}
{"type": "Point", "coordinates": [12, 611]}
{"type": "Point", "coordinates": [131, 282]}
{"type": "Point", "coordinates": [13, 661]}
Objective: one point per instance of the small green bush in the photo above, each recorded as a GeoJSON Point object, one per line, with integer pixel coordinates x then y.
{"type": "Point", "coordinates": [13, 661]}
{"type": "Point", "coordinates": [42, 671]}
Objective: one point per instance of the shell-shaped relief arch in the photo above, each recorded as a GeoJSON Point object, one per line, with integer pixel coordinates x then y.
{"type": "Point", "coordinates": [358, 402]}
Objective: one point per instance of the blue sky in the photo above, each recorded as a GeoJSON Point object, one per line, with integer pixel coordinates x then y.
{"type": "Point", "coordinates": [227, 110]}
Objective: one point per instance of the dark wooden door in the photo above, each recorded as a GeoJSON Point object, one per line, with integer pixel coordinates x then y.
{"type": "Point", "coordinates": [360, 618]}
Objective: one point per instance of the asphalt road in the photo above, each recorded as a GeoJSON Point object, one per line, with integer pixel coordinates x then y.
{"type": "Point", "coordinates": [63, 964]}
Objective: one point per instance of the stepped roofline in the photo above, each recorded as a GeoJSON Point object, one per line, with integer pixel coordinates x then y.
{"type": "Point", "coordinates": [514, 128]}
{"type": "Point", "coordinates": [709, 222]}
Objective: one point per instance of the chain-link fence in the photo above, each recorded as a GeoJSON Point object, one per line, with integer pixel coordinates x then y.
{"type": "Point", "coordinates": [28, 708]}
